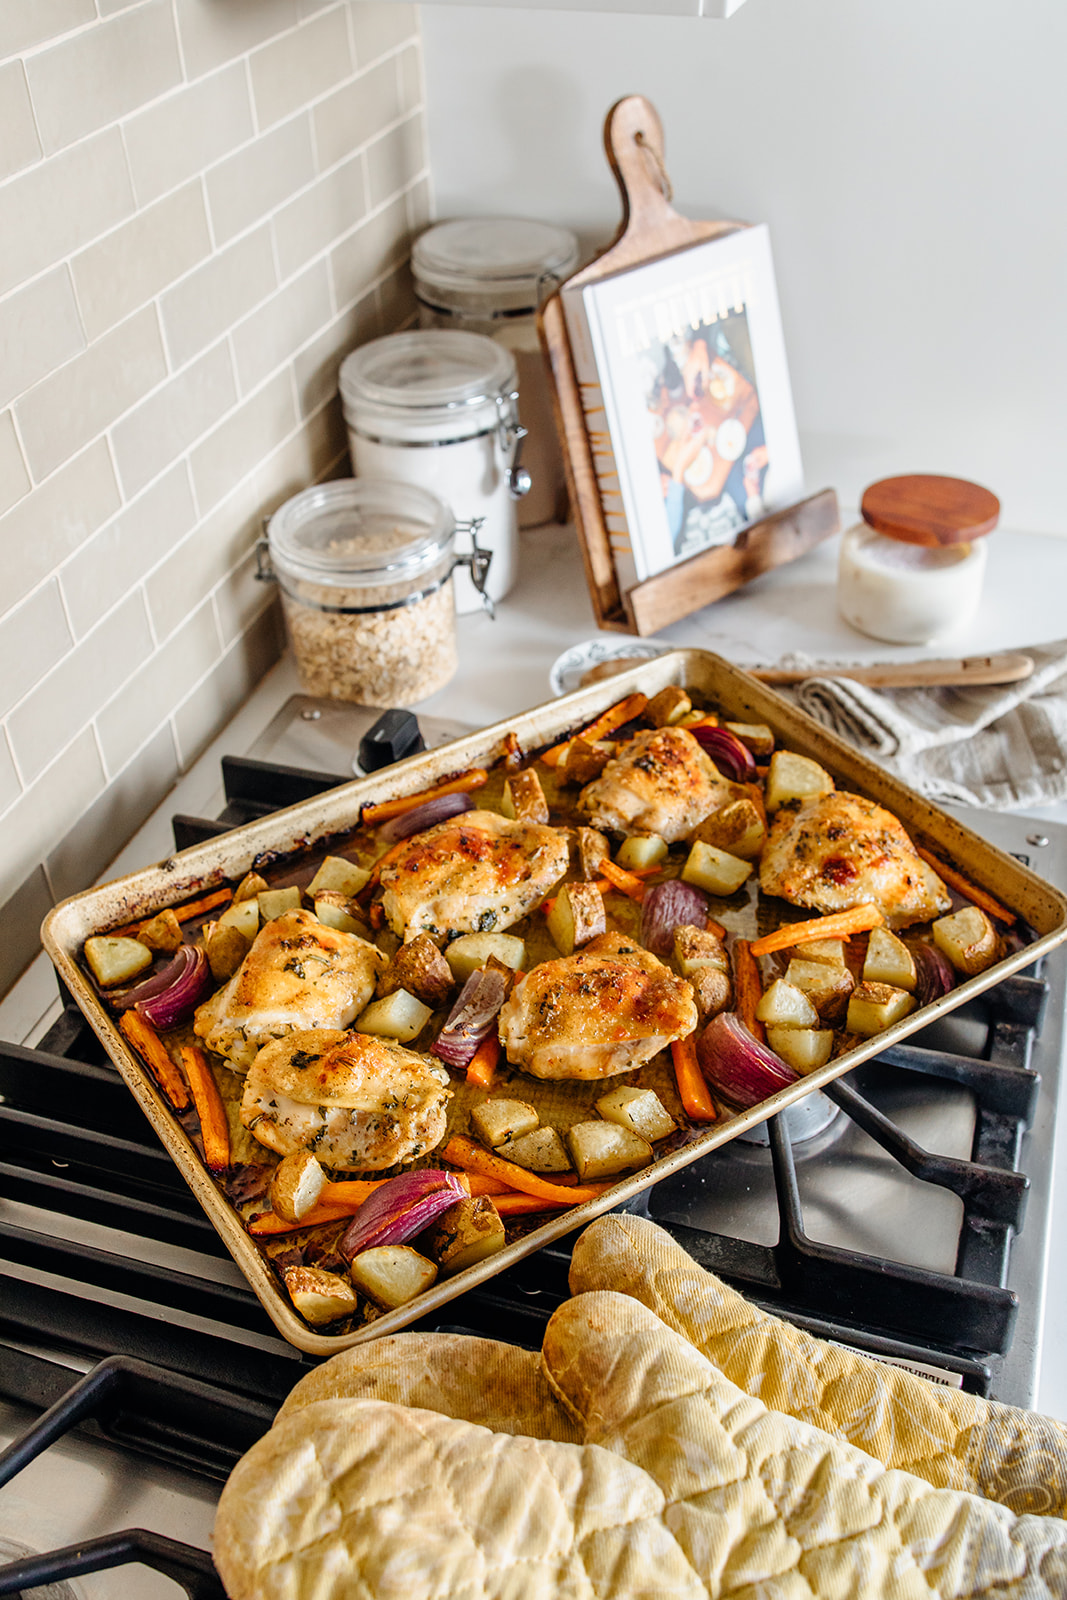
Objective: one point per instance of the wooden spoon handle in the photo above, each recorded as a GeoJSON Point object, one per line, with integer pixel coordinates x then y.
{"type": "Point", "coordinates": [972, 670]}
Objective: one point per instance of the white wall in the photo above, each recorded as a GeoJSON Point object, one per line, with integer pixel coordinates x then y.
{"type": "Point", "coordinates": [908, 156]}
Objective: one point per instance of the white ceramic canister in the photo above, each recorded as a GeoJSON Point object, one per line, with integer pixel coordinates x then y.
{"type": "Point", "coordinates": [366, 574]}
{"type": "Point", "coordinates": [490, 275]}
{"type": "Point", "coordinates": [911, 572]}
{"type": "Point", "coordinates": [438, 408]}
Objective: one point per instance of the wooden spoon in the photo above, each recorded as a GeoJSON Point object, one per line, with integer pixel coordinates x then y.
{"type": "Point", "coordinates": [961, 670]}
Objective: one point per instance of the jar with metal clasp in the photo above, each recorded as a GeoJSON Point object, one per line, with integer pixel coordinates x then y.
{"type": "Point", "coordinates": [365, 570]}
{"type": "Point", "coordinates": [439, 409]}
{"type": "Point", "coordinates": [491, 275]}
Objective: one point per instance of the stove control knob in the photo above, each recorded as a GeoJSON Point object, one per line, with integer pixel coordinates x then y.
{"type": "Point", "coordinates": [396, 734]}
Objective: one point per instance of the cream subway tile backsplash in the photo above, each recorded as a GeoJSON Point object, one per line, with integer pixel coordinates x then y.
{"type": "Point", "coordinates": [261, 176]}
{"type": "Point", "coordinates": [39, 330]}
{"type": "Point", "coordinates": [19, 144]}
{"type": "Point", "coordinates": [151, 436]}
{"type": "Point", "coordinates": [33, 637]}
{"type": "Point", "coordinates": [200, 309]}
{"type": "Point", "coordinates": [51, 714]}
{"type": "Point", "coordinates": [185, 133]}
{"type": "Point", "coordinates": [282, 324]}
{"type": "Point", "coordinates": [14, 478]}
{"type": "Point", "coordinates": [77, 402]}
{"type": "Point", "coordinates": [56, 206]}
{"type": "Point", "coordinates": [125, 269]}
{"type": "Point", "coordinates": [97, 75]}
{"type": "Point", "coordinates": [142, 535]}
{"type": "Point", "coordinates": [322, 213]}
{"type": "Point", "coordinates": [292, 71]}
{"type": "Point", "coordinates": [54, 520]}
{"type": "Point", "coordinates": [203, 207]}
{"type": "Point", "coordinates": [46, 810]}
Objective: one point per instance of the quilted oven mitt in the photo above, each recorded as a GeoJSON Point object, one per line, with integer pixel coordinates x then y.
{"type": "Point", "coordinates": [953, 1440]}
{"type": "Point", "coordinates": [661, 1478]}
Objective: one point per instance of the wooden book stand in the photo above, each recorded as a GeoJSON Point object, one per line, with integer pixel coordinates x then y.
{"type": "Point", "coordinates": [651, 228]}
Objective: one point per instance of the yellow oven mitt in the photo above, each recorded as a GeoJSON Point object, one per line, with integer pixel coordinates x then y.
{"type": "Point", "coordinates": [951, 1439]}
{"type": "Point", "coordinates": [682, 1486]}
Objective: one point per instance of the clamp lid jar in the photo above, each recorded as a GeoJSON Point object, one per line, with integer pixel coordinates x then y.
{"type": "Point", "coordinates": [365, 573]}
{"type": "Point", "coordinates": [438, 408]}
{"type": "Point", "coordinates": [911, 571]}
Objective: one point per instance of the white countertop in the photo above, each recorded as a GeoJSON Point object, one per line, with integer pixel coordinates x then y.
{"type": "Point", "coordinates": [504, 667]}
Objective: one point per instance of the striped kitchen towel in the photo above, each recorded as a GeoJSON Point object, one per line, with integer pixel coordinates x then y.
{"type": "Point", "coordinates": [1003, 747]}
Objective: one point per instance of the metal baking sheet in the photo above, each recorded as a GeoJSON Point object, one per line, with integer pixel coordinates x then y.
{"type": "Point", "coordinates": [226, 858]}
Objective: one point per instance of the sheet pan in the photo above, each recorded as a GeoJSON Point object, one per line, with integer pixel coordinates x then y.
{"type": "Point", "coordinates": [226, 858]}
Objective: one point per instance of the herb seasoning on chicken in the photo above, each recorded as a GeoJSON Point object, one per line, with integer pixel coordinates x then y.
{"type": "Point", "coordinates": [660, 782]}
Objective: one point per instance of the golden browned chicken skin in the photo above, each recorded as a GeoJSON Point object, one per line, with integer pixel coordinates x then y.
{"type": "Point", "coordinates": [599, 1012]}
{"type": "Point", "coordinates": [357, 1102]}
{"type": "Point", "coordinates": [660, 782]}
{"type": "Point", "coordinates": [474, 873]}
{"type": "Point", "coordinates": [840, 850]}
{"type": "Point", "coordinates": [298, 974]}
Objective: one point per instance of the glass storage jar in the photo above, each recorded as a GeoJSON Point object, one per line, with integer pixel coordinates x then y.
{"type": "Point", "coordinates": [365, 573]}
{"type": "Point", "coordinates": [438, 409]}
{"type": "Point", "coordinates": [911, 571]}
{"type": "Point", "coordinates": [489, 275]}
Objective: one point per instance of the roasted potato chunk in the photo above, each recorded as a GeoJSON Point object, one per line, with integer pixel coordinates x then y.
{"type": "Point", "coordinates": [756, 735]}
{"type": "Point", "coordinates": [593, 846]}
{"type": "Point", "coordinates": [250, 887]}
{"type": "Point", "coordinates": [888, 960]}
{"type": "Point", "coordinates": [276, 902]}
{"type": "Point", "coordinates": [783, 1003]}
{"type": "Point", "coordinates": [668, 707]}
{"type": "Point", "coordinates": [737, 828]}
{"type": "Point", "coordinates": [803, 1049]}
{"type": "Point", "coordinates": [524, 797]}
{"type": "Point", "coordinates": [640, 1110]}
{"type": "Point", "coordinates": [296, 1186]}
{"type": "Point", "coordinates": [576, 917]}
{"type": "Point", "coordinates": [225, 947]}
{"type": "Point", "coordinates": [641, 850]}
{"type": "Point", "coordinates": [162, 933]}
{"type": "Point", "coordinates": [582, 761]}
{"type": "Point", "coordinates": [826, 986]}
{"type": "Point", "coordinates": [398, 1016]}
{"type": "Point", "coordinates": [793, 777]}
{"type": "Point", "coordinates": [497, 1121]}
{"type": "Point", "coordinates": [464, 1234]}
{"type": "Point", "coordinates": [319, 1296]}
{"type": "Point", "coordinates": [873, 1007]}
{"type": "Point", "coordinates": [472, 950]}
{"type": "Point", "coordinates": [242, 915]}
{"type": "Point", "coordinates": [604, 1149]}
{"type": "Point", "coordinates": [114, 960]}
{"type": "Point", "coordinates": [715, 870]}
{"type": "Point", "coordinates": [338, 874]}
{"type": "Point", "coordinates": [968, 938]}
{"type": "Point", "coordinates": [337, 910]}
{"type": "Point", "coordinates": [831, 952]}
{"type": "Point", "coordinates": [421, 969]}
{"type": "Point", "coordinates": [392, 1274]}
{"type": "Point", "coordinates": [541, 1150]}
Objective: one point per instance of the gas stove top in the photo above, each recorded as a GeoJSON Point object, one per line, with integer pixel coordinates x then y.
{"type": "Point", "coordinates": [910, 1220]}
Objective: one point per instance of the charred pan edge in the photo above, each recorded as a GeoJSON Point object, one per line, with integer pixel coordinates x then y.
{"type": "Point", "coordinates": [229, 856]}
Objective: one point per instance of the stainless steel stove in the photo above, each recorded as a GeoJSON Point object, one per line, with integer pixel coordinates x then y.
{"type": "Point", "coordinates": [910, 1219]}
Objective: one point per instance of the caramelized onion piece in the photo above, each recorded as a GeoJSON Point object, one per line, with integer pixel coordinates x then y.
{"type": "Point", "coordinates": [401, 1208]}
{"type": "Point", "coordinates": [472, 1018]}
{"type": "Point", "coordinates": [425, 816]}
{"type": "Point", "coordinates": [737, 1065]}
{"type": "Point", "coordinates": [667, 906]}
{"type": "Point", "coordinates": [733, 758]}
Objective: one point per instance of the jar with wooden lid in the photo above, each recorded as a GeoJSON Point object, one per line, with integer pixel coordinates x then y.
{"type": "Point", "coordinates": [911, 572]}
{"type": "Point", "coordinates": [365, 573]}
{"type": "Point", "coordinates": [490, 275]}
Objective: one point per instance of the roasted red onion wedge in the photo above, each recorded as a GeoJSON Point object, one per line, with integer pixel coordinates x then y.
{"type": "Point", "coordinates": [178, 1002]}
{"type": "Point", "coordinates": [401, 1208]}
{"type": "Point", "coordinates": [123, 999]}
{"type": "Point", "coordinates": [737, 1065]}
{"type": "Point", "coordinates": [667, 906]}
{"type": "Point", "coordinates": [934, 972]}
{"type": "Point", "coordinates": [425, 816]}
{"type": "Point", "coordinates": [733, 758]}
{"type": "Point", "coordinates": [472, 1017]}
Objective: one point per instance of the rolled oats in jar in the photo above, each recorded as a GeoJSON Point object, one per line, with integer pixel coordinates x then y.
{"type": "Point", "coordinates": [365, 572]}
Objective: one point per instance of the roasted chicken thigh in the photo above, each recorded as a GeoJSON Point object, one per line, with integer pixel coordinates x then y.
{"type": "Point", "coordinates": [357, 1102]}
{"type": "Point", "coordinates": [839, 850]}
{"type": "Point", "coordinates": [599, 1012]}
{"type": "Point", "coordinates": [473, 873]}
{"type": "Point", "coordinates": [298, 974]}
{"type": "Point", "coordinates": [660, 782]}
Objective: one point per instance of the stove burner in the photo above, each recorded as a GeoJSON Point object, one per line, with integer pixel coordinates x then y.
{"type": "Point", "coordinates": [803, 1121]}
{"type": "Point", "coordinates": [11, 1550]}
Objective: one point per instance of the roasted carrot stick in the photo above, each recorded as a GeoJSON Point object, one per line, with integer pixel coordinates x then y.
{"type": "Point", "coordinates": [748, 987]}
{"type": "Point", "coordinates": [838, 925]}
{"type": "Point", "coordinates": [471, 1157]}
{"type": "Point", "coordinates": [185, 913]}
{"type": "Point", "coordinates": [156, 1057]}
{"type": "Point", "coordinates": [614, 717]}
{"type": "Point", "coordinates": [482, 1068]}
{"type": "Point", "coordinates": [969, 890]}
{"type": "Point", "coordinates": [692, 1087]}
{"type": "Point", "coordinates": [214, 1128]}
{"type": "Point", "coordinates": [267, 1225]}
{"type": "Point", "coordinates": [462, 784]}
{"type": "Point", "coordinates": [603, 884]}
{"type": "Point", "coordinates": [628, 882]}
{"type": "Point", "coordinates": [716, 928]}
